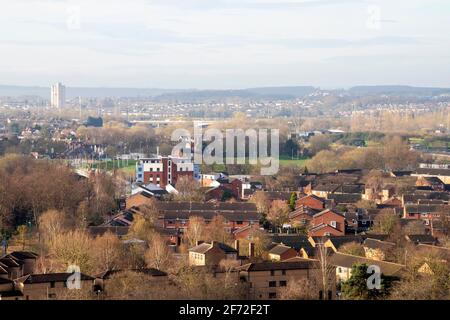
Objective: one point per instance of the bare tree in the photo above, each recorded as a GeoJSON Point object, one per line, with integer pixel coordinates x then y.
{"type": "Point", "coordinates": [278, 213]}
{"type": "Point", "coordinates": [188, 190]}
{"type": "Point", "coordinates": [158, 254]}
{"type": "Point", "coordinates": [195, 230]}
{"type": "Point", "coordinates": [261, 201]}
{"type": "Point", "coordinates": [326, 271]}
{"type": "Point", "coordinates": [106, 252]}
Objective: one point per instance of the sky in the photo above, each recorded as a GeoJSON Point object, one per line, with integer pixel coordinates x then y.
{"type": "Point", "coordinates": [218, 44]}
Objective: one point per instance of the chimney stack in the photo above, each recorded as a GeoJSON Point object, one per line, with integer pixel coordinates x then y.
{"type": "Point", "coordinates": [199, 242]}
{"type": "Point", "coordinates": [213, 243]}
{"type": "Point", "coordinates": [236, 245]}
{"type": "Point", "coordinates": [251, 250]}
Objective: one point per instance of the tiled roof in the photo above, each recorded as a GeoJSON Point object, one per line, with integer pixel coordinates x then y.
{"type": "Point", "coordinates": [23, 255]}
{"type": "Point", "coordinates": [432, 171]}
{"type": "Point", "coordinates": [327, 211]}
{"type": "Point", "coordinates": [421, 238]}
{"type": "Point", "coordinates": [279, 249]}
{"type": "Point", "coordinates": [52, 277]}
{"type": "Point", "coordinates": [268, 266]}
{"type": "Point", "coordinates": [348, 261]}
{"type": "Point", "coordinates": [205, 247]}
{"type": "Point", "coordinates": [378, 244]}
{"type": "Point", "coordinates": [147, 271]}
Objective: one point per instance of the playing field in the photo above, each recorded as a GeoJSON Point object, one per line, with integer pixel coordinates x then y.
{"type": "Point", "coordinates": [286, 161]}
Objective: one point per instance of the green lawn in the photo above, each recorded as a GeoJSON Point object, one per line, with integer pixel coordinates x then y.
{"type": "Point", "coordinates": [127, 167]}
{"type": "Point", "coordinates": [286, 161]}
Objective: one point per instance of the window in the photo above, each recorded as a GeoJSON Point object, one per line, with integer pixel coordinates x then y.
{"type": "Point", "coordinates": [283, 272]}
{"type": "Point", "coordinates": [272, 295]}
{"type": "Point", "coordinates": [272, 284]}
{"type": "Point", "coordinates": [52, 295]}
{"type": "Point", "coordinates": [52, 284]}
{"type": "Point", "coordinates": [283, 283]}
{"type": "Point", "coordinates": [272, 272]}
{"type": "Point", "coordinates": [333, 224]}
{"type": "Point", "coordinates": [238, 222]}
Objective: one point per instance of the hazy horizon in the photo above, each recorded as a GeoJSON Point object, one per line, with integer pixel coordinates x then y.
{"type": "Point", "coordinates": [225, 44]}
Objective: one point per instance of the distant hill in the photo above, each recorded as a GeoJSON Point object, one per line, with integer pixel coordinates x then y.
{"type": "Point", "coordinates": [73, 92]}
{"type": "Point", "coordinates": [263, 92]}
{"type": "Point", "coordinates": [192, 95]}
{"type": "Point", "coordinates": [397, 90]}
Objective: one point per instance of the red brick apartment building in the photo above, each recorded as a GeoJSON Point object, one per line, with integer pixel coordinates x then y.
{"type": "Point", "coordinates": [163, 170]}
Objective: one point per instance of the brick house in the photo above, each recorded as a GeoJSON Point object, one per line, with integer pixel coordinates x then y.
{"type": "Point", "coordinates": [302, 216]}
{"type": "Point", "coordinates": [345, 262]}
{"type": "Point", "coordinates": [311, 201]}
{"type": "Point", "coordinates": [433, 183]}
{"type": "Point", "coordinates": [281, 252]}
{"type": "Point", "coordinates": [103, 279]}
{"type": "Point", "coordinates": [210, 254]}
{"type": "Point", "coordinates": [50, 286]}
{"type": "Point", "coordinates": [327, 223]}
{"type": "Point", "coordinates": [377, 249]}
{"type": "Point", "coordinates": [266, 279]}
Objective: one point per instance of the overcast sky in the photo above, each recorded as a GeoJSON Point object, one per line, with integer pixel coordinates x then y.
{"type": "Point", "coordinates": [224, 43]}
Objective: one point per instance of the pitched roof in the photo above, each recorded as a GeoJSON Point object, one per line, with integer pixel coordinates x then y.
{"type": "Point", "coordinates": [345, 197]}
{"type": "Point", "coordinates": [321, 226]}
{"type": "Point", "coordinates": [23, 255]}
{"type": "Point", "coordinates": [424, 208]}
{"type": "Point", "coordinates": [279, 249]}
{"type": "Point", "coordinates": [327, 211]}
{"type": "Point", "coordinates": [301, 210]}
{"type": "Point", "coordinates": [147, 271]}
{"type": "Point", "coordinates": [432, 171]}
{"type": "Point", "coordinates": [52, 277]}
{"type": "Point", "coordinates": [283, 265]}
{"type": "Point", "coordinates": [205, 247]}
{"type": "Point", "coordinates": [313, 196]}
{"type": "Point", "coordinates": [348, 261]}
{"type": "Point", "coordinates": [421, 238]}
{"type": "Point", "coordinates": [445, 252]}
{"type": "Point", "coordinates": [10, 262]}
{"type": "Point", "coordinates": [292, 240]}
{"type": "Point", "coordinates": [342, 240]}
{"type": "Point", "coordinates": [378, 244]}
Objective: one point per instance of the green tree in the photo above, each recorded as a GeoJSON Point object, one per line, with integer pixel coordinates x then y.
{"type": "Point", "coordinates": [356, 288]}
{"type": "Point", "coordinates": [292, 201]}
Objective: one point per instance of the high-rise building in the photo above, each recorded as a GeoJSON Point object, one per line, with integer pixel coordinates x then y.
{"type": "Point", "coordinates": [58, 95]}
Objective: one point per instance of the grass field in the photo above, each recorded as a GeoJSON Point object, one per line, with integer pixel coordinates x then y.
{"type": "Point", "coordinates": [286, 161]}
{"type": "Point", "coordinates": [127, 167]}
